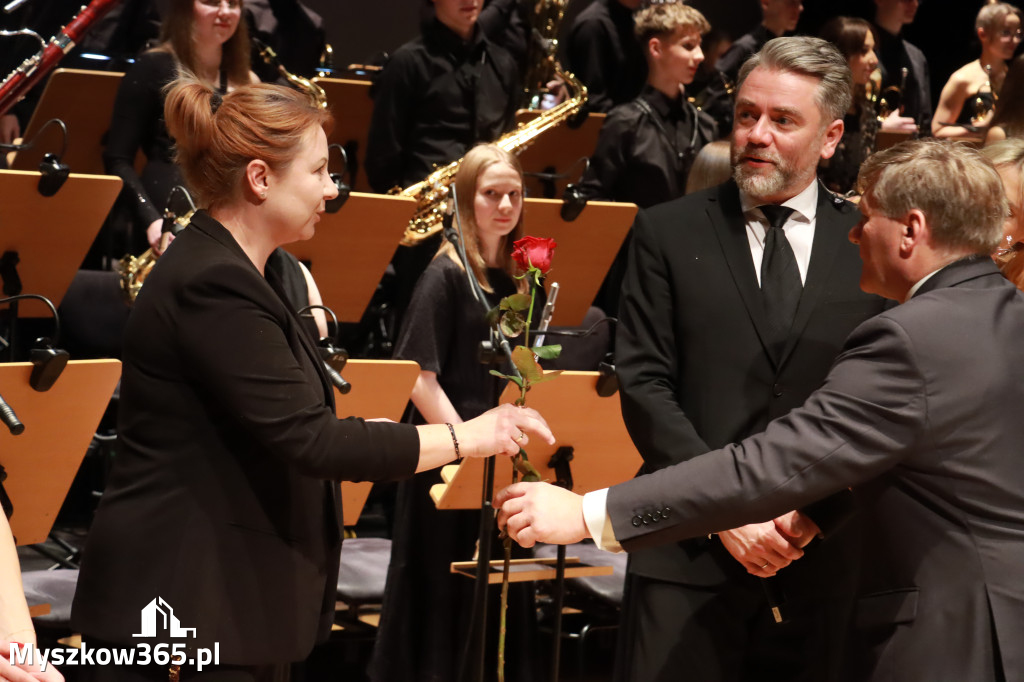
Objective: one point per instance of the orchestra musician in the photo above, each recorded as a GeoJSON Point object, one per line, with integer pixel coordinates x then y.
{"type": "Point", "coordinates": [969, 96]}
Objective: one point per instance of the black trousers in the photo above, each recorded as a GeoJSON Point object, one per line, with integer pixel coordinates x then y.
{"type": "Point", "coordinates": [676, 633]}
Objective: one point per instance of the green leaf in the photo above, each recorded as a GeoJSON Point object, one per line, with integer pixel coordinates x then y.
{"type": "Point", "coordinates": [493, 316]}
{"type": "Point", "coordinates": [548, 376]}
{"type": "Point", "coordinates": [516, 302]}
{"type": "Point", "coordinates": [528, 472]}
{"type": "Point", "coordinates": [548, 352]}
{"type": "Point", "coordinates": [523, 359]}
{"type": "Point", "coordinates": [512, 324]}
{"type": "Point", "coordinates": [514, 379]}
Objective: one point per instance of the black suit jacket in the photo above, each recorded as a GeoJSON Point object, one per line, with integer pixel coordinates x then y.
{"type": "Point", "coordinates": [693, 364]}
{"type": "Point", "coordinates": [922, 413]}
{"type": "Point", "coordinates": [223, 499]}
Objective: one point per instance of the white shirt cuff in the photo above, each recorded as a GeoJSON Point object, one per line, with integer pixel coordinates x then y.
{"type": "Point", "coordinates": [595, 515]}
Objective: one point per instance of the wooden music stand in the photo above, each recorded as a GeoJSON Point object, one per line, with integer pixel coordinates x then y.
{"type": "Point", "coordinates": [586, 249]}
{"type": "Point", "coordinates": [558, 151]}
{"type": "Point", "coordinates": [593, 451]}
{"type": "Point", "coordinates": [64, 97]}
{"type": "Point", "coordinates": [352, 107]}
{"type": "Point", "coordinates": [51, 235]}
{"type": "Point", "coordinates": [592, 426]}
{"type": "Point", "coordinates": [59, 424]}
{"type": "Point", "coordinates": [380, 388]}
{"type": "Point", "coordinates": [352, 248]}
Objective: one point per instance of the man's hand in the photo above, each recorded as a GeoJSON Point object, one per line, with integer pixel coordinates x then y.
{"type": "Point", "coordinates": [541, 512]}
{"type": "Point", "coordinates": [761, 548]}
{"type": "Point", "coordinates": [797, 528]}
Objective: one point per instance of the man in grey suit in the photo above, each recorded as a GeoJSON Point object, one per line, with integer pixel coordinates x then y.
{"type": "Point", "coordinates": [920, 415]}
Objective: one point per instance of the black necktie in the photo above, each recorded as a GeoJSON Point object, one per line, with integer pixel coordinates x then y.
{"type": "Point", "coordinates": [780, 277]}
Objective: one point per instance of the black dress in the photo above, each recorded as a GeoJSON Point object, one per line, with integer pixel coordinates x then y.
{"type": "Point", "coordinates": [425, 619]}
{"type": "Point", "coordinates": [839, 173]}
{"type": "Point", "coordinates": [138, 123]}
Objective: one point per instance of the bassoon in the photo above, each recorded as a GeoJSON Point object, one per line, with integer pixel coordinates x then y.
{"type": "Point", "coordinates": [21, 80]}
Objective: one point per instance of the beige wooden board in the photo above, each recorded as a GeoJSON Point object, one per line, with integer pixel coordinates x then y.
{"type": "Point", "coordinates": [350, 102]}
{"type": "Point", "coordinates": [352, 248]}
{"type": "Point", "coordinates": [51, 234]}
{"type": "Point", "coordinates": [522, 570]}
{"type": "Point", "coordinates": [83, 100]}
{"type": "Point", "coordinates": [604, 454]}
{"type": "Point", "coordinates": [380, 388]}
{"type": "Point", "coordinates": [559, 150]}
{"type": "Point", "coordinates": [586, 249]}
{"type": "Point", "coordinates": [59, 424]}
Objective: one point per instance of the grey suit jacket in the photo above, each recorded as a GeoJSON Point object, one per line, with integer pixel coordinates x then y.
{"type": "Point", "coordinates": [922, 414]}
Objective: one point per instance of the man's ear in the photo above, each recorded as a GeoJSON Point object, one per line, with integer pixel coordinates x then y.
{"type": "Point", "coordinates": [831, 137]}
{"type": "Point", "coordinates": [257, 177]}
{"type": "Point", "coordinates": [654, 47]}
{"type": "Point", "coordinates": [914, 231]}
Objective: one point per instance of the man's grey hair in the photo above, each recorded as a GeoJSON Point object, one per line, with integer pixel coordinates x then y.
{"type": "Point", "coordinates": [954, 185]}
{"type": "Point", "coordinates": [812, 57]}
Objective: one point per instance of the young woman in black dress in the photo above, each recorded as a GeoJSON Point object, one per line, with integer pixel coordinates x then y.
{"type": "Point", "coordinates": [426, 611]}
{"type": "Point", "coordinates": [204, 37]}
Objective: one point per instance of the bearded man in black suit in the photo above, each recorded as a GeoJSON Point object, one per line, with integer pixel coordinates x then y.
{"type": "Point", "coordinates": [728, 320]}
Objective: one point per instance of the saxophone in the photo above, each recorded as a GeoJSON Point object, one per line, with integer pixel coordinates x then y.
{"type": "Point", "coordinates": [315, 93]}
{"type": "Point", "coordinates": [546, 19]}
{"type": "Point", "coordinates": [135, 269]}
{"type": "Point", "coordinates": [432, 193]}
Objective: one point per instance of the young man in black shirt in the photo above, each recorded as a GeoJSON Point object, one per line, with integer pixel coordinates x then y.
{"type": "Point", "coordinates": [605, 55]}
{"type": "Point", "coordinates": [647, 146]}
{"type": "Point", "coordinates": [439, 95]}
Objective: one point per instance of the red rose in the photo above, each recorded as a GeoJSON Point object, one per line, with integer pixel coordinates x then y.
{"type": "Point", "coordinates": [534, 252]}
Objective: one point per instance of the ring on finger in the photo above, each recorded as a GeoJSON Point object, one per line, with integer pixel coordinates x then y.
{"type": "Point", "coordinates": [766, 565]}
{"type": "Point", "coordinates": [520, 437]}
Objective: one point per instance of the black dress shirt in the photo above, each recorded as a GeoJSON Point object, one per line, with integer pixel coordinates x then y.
{"type": "Point", "coordinates": [436, 98]}
{"type": "Point", "coordinates": [646, 149]}
{"type": "Point", "coordinates": [603, 53]}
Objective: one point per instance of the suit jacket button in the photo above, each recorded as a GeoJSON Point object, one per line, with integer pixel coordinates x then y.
{"type": "Point", "coordinates": [656, 516]}
{"type": "Point", "coordinates": [665, 512]}
{"type": "Point", "coordinates": [637, 521]}
{"type": "Point", "coordinates": [777, 390]}
{"type": "Point", "coordinates": [647, 519]}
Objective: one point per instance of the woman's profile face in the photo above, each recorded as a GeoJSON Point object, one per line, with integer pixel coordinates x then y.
{"type": "Point", "coordinates": [296, 195]}
{"type": "Point", "coordinates": [863, 63]}
{"type": "Point", "coordinates": [214, 21]}
{"type": "Point", "coordinates": [498, 201]}
{"type": "Point", "coordinates": [1013, 226]}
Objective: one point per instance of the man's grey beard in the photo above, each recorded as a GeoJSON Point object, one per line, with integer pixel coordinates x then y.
{"type": "Point", "coordinates": [762, 183]}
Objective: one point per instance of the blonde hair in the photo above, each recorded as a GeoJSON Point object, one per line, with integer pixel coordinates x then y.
{"type": "Point", "coordinates": [664, 18]}
{"type": "Point", "coordinates": [991, 16]}
{"type": "Point", "coordinates": [712, 167]}
{"type": "Point", "coordinates": [955, 186]}
{"type": "Point", "coordinates": [474, 163]}
{"type": "Point", "coordinates": [216, 137]}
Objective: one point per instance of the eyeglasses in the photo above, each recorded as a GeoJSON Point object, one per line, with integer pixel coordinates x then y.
{"type": "Point", "coordinates": [232, 4]}
{"type": "Point", "coordinates": [1012, 35]}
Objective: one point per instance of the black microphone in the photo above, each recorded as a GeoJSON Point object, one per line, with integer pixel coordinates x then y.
{"type": "Point", "coordinates": [334, 361]}
{"type": "Point", "coordinates": [10, 419]}
{"type": "Point", "coordinates": [574, 200]}
{"type": "Point", "coordinates": [47, 364]}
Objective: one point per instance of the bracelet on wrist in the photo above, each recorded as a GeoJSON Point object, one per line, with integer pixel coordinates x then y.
{"type": "Point", "coordinates": [455, 442]}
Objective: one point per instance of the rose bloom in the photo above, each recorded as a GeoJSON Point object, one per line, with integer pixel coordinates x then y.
{"type": "Point", "coordinates": [534, 252]}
